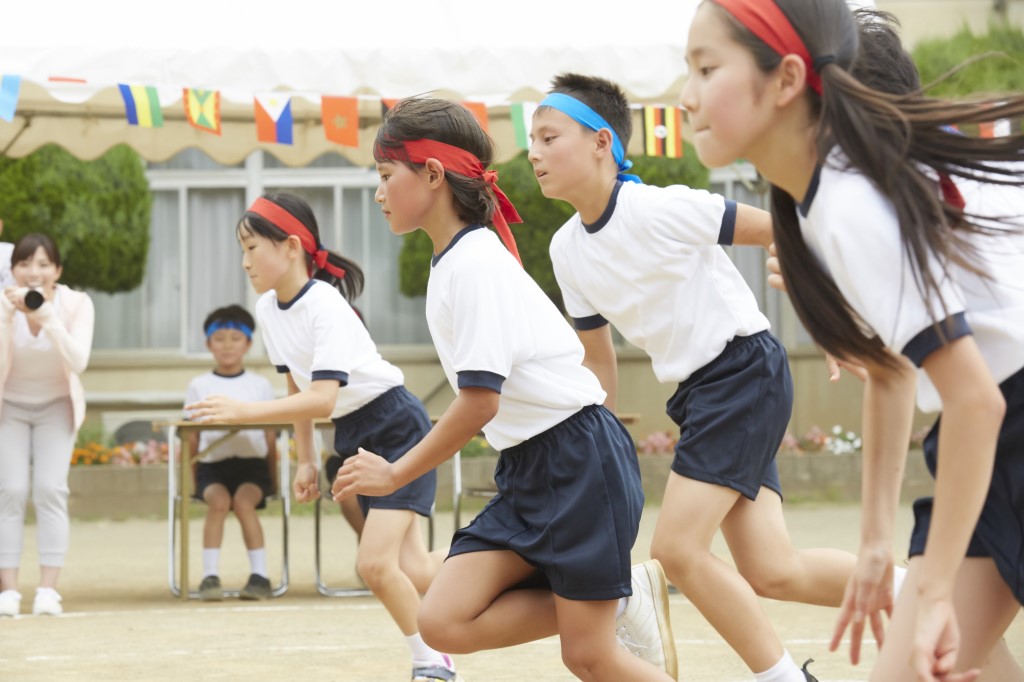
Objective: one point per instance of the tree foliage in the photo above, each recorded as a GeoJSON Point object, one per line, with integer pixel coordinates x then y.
{"type": "Point", "coordinates": [98, 212]}
{"type": "Point", "coordinates": [1000, 72]}
{"type": "Point", "coordinates": [541, 218]}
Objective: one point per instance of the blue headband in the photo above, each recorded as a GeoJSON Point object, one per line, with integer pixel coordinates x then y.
{"type": "Point", "coordinates": [228, 324]}
{"type": "Point", "coordinates": [587, 117]}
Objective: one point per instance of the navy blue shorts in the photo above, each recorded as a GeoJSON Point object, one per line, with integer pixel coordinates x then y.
{"type": "Point", "coordinates": [232, 473]}
{"type": "Point", "coordinates": [1000, 530]}
{"type": "Point", "coordinates": [389, 426]}
{"type": "Point", "coordinates": [732, 414]}
{"type": "Point", "coordinates": [569, 502]}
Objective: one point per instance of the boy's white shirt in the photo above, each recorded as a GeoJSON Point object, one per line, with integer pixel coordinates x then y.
{"type": "Point", "coordinates": [319, 335]}
{"type": "Point", "coordinates": [487, 315]}
{"type": "Point", "coordinates": [853, 231]}
{"type": "Point", "coordinates": [656, 271]}
{"type": "Point", "coordinates": [247, 387]}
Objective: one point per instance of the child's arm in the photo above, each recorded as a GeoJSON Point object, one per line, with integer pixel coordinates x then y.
{"type": "Point", "coordinates": [368, 474]}
{"type": "Point", "coordinates": [316, 403]}
{"type": "Point", "coordinates": [599, 358]}
{"type": "Point", "coordinates": [888, 407]}
{"type": "Point", "coordinates": [306, 483]}
{"type": "Point", "coordinates": [753, 227]}
{"type": "Point", "coordinates": [271, 437]}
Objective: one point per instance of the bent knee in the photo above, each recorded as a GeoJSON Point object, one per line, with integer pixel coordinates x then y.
{"type": "Point", "coordinates": [584, 662]}
{"type": "Point", "coordinates": [768, 581]}
{"type": "Point", "coordinates": [441, 633]}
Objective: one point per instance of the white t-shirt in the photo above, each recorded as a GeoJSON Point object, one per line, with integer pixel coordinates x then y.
{"type": "Point", "coordinates": [653, 266]}
{"type": "Point", "coordinates": [494, 327]}
{"type": "Point", "coordinates": [853, 231]}
{"type": "Point", "coordinates": [318, 336]}
{"type": "Point", "coordinates": [6, 279]}
{"type": "Point", "coordinates": [247, 387]}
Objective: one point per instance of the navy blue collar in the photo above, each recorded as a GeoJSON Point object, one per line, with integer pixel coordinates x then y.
{"type": "Point", "coordinates": [229, 376]}
{"type": "Point", "coordinates": [812, 190]}
{"type": "Point", "coordinates": [459, 235]}
{"type": "Point", "coordinates": [608, 211]}
{"type": "Point", "coordinates": [282, 305]}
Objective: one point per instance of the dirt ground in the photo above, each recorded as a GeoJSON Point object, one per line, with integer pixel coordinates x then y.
{"type": "Point", "coordinates": [121, 622]}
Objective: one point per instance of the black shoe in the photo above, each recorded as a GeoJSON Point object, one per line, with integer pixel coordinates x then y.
{"type": "Point", "coordinates": [209, 589]}
{"type": "Point", "coordinates": [256, 589]}
{"type": "Point", "coordinates": [808, 675]}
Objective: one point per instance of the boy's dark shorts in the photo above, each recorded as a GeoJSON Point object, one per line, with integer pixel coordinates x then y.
{"type": "Point", "coordinates": [732, 415]}
{"type": "Point", "coordinates": [232, 473]}
{"type": "Point", "coordinates": [389, 426]}
{"type": "Point", "coordinates": [569, 502]}
{"type": "Point", "coordinates": [1000, 530]}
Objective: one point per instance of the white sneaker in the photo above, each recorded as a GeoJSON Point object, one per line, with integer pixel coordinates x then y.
{"type": "Point", "coordinates": [47, 602]}
{"type": "Point", "coordinates": [644, 627]}
{"type": "Point", "coordinates": [10, 603]}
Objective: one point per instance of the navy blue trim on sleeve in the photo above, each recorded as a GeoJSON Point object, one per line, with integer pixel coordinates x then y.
{"type": "Point", "coordinates": [728, 230]}
{"type": "Point", "coordinates": [585, 324]}
{"type": "Point", "coordinates": [321, 374]}
{"type": "Point", "coordinates": [930, 339]}
{"type": "Point", "coordinates": [282, 369]}
{"type": "Point", "coordinates": [472, 378]}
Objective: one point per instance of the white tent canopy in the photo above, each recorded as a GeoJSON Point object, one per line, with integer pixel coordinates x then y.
{"type": "Point", "coordinates": [463, 50]}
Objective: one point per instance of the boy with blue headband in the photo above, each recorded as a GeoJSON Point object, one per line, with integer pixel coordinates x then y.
{"type": "Point", "coordinates": [239, 473]}
{"type": "Point", "coordinates": [650, 261]}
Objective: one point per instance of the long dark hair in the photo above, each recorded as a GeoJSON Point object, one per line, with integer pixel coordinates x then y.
{"type": "Point", "coordinates": [899, 143]}
{"type": "Point", "coordinates": [427, 118]}
{"type": "Point", "coordinates": [253, 223]}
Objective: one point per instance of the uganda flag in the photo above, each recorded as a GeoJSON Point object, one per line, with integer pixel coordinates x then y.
{"type": "Point", "coordinates": [663, 131]}
{"type": "Point", "coordinates": [202, 109]}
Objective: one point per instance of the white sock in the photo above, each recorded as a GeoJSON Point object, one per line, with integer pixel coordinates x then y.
{"type": "Point", "coordinates": [899, 574]}
{"type": "Point", "coordinates": [785, 670]}
{"type": "Point", "coordinates": [621, 608]}
{"type": "Point", "coordinates": [211, 557]}
{"type": "Point", "coordinates": [423, 655]}
{"type": "Point", "coordinates": [258, 561]}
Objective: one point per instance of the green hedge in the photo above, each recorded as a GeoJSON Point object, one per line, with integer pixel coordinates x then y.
{"type": "Point", "coordinates": [98, 212]}
{"type": "Point", "coordinates": [541, 218]}
{"type": "Point", "coordinates": [1002, 72]}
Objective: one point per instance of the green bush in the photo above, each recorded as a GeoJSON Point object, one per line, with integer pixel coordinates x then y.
{"type": "Point", "coordinates": [98, 212]}
{"type": "Point", "coordinates": [541, 218]}
{"type": "Point", "coordinates": [993, 75]}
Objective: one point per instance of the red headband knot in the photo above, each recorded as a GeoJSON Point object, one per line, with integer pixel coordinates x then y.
{"type": "Point", "coordinates": [765, 20]}
{"type": "Point", "coordinates": [458, 160]}
{"type": "Point", "coordinates": [281, 218]}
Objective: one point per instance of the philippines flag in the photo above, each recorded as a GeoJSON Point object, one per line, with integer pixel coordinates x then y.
{"type": "Point", "coordinates": [274, 118]}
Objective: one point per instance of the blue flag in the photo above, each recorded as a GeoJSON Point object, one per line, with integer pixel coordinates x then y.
{"type": "Point", "coordinates": [10, 86]}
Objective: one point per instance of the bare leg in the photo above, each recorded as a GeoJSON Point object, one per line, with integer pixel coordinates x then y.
{"type": "Point", "coordinates": [218, 504]}
{"type": "Point", "coordinates": [8, 579]}
{"type": "Point", "coordinates": [244, 503]}
{"type": "Point", "coordinates": [353, 515]}
{"type": "Point", "coordinates": [764, 554]}
{"type": "Point", "coordinates": [377, 562]}
{"type": "Point", "coordinates": [691, 514]}
{"type": "Point", "coordinates": [48, 576]}
{"type": "Point", "coordinates": [415, 561]}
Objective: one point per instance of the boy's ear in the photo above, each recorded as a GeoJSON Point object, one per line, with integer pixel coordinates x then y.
{"type": "Point", "coordinates": [603, 142]}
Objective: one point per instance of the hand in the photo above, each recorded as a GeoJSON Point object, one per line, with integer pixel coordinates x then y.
{"type": "Point", "coordinates": [835, 365]}
{"type": "Point", "coordinates": [364, 474]}
{"type": "Point", "coordinates": [217, 408]}
{"type": "Point", "coordinates": [774, 269]}
{"type": "Point", "coordinates": [937, 642]}
{"type": "Point", "coordinates": [306, 483]}
{"type": "Point", "coordinates": [868, 594]}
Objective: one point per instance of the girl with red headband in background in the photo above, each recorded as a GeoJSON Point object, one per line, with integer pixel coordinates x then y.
{"type": "Point", "coordinates": [550, 553]}
{"type": "Point", "coordinates": [886, 269]}
{"type": "Point", "coordinates": [315, 338]}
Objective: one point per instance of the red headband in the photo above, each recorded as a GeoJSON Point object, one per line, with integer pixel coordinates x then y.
{"type": "Point", "coordinates": [268, 210]}
{"type": "Point", "coordinates": [765, 20]}
{"type": "Point", "coordinates": [460, 161]}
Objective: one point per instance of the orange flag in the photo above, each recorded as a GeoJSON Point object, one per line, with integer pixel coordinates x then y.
{"type": "Point", "coordinates": [341, 120]}
{"type": "Point", "coordinates": [479, 109]}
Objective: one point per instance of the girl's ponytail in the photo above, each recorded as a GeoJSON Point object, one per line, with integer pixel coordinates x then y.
{"type": "Point", "coordinates": [350, 285]}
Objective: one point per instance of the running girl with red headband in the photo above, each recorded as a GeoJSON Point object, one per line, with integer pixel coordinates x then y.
{"type": "Point", "coordinates": [317, 340]}
{"type": "Point", "coordinates": [886, 269]}
{"type": "Point", "coordinates": [550, 553]}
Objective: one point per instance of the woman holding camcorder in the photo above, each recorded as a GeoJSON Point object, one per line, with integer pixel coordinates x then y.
{"type": "Point", "coordinates": [45, 340]}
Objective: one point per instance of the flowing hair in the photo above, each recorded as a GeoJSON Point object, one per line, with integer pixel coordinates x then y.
{"type": "Point", "coordinates": [902, 144]}
{"type": "Point", "coordinates": [350, 286]}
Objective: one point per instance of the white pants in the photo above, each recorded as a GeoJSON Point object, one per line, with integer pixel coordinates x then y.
{"type": "Point", "coordinates": [35, 447]}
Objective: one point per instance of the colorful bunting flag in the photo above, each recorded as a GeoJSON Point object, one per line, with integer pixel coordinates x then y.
{"type": "Point", "coordinates": [479, 110]}
{"type": "Point", "coordinates": [341, 120]}
{"type": "Point", "coordinates": [202, 109]}
{"type": "Point", "coordinates": [10, 89]}
{"type": "Point", "coordinates": [663, 131]}
{"type": "Point", "coordinates": [141, 106]}
{"type": "Point", "coordinates": [522, 121]}
{"type": "Point", "coordinates": [273, 118]}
